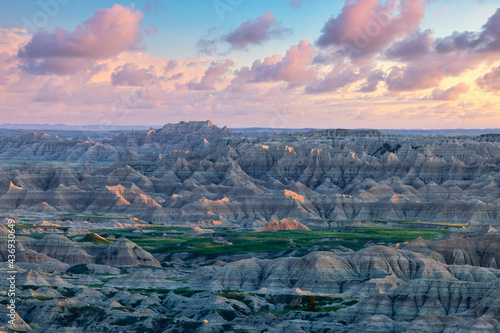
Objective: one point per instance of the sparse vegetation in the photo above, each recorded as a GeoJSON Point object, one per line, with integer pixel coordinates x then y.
{"type": "Point", "coordinates": [386, 147]}
{"type": "Point", "coordinates": [79, 269]}
{"type": "Point", "coordinates": [95, 239]}
{"type": "Point", "coordinates": [107, 279]}
{"type": "Point", "coordinates": [186, 291]}
{"type": "Point", "coordinates": [82, 315]}
{"type": "Point", "coordinates": [227, 315]}
{"type": "Point", "coordinates": [312, 304]}
{"type": "Point", "coordinates": [353, 237]}
{"type": "Point", "coordinates": [127, 321]}
{"type": "Point", "coordinates": [68, 293]}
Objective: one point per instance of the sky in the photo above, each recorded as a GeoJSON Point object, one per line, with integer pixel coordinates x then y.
{"type": "Point", "coordinates": [428, 64]}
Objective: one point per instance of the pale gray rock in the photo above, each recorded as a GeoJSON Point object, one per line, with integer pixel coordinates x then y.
{"type": "Point", "coordinates": [126, 253]}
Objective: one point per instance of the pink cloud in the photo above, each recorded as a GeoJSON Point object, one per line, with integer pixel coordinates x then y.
{"type": "Point", "coordinates": [6, 67]}
{"type": "Point", "coordinates": [212, 76]}
{"type": "Point", "coordinates": [294, 67]}
{"type": "Point", "coordinates": [412, 48]}
{"type": "Point", "coordinates": [150, 30]}
{"type": "Point", "coordinates": [484, 42]}
{"type": "Point", "coordinates": [130, 75]}
{"type": "Point", "coordinates": [366, 27]}
{"type": "Point", "coordinates": [12, 39]}
{"type": "Point", "coordinates": [338, 78]}
{"type": "Point", "coordinates": [414, 77]}
{"type": "Point", "coordinates": [490, 81]}
{"type": "Point", "coordinates": [152, 6]}
{"type": "Point", "coordinates": [106, 34]}
{"type": "Point", "coordinates": [369, 28]}
{"type": "Point", "coordinates": [296, 3]}
{"type": "Point", "coordinates": [451, 94]}
{"type": "Point", "coordinates": [255, 32]}
{"type": "Point", "coordinates": [429, 71]}
{"type": "Point", "coordinates": [52, 92]}
{"type": "Point", "coordinates": [372, 81]}
{"type": "Point", "coordinates": [250, 32]}
{"type": "Point", "coordinates": [450, 56]}
{"type": "Point", "coordinates": [171, 65]}
{"type": "Point", "coordinates": [61, 88]}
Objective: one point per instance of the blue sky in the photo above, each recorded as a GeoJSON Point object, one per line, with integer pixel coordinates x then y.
{"type": "Point", "coordinates": [265, 62]}
{"type": "Point", "coordinates": [181, 23]}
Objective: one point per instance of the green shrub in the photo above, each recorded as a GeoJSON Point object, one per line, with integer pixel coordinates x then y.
{"type": "Point", "coordinates": [186, 291]}
{"type": "Point", "coordinates": [79, 269]}
{"type": "Point", "coordinates": [127, 321]}
{"type": "Point", "coordinates": [312, 304]}
{"type": "Point", "coordinates": [227, 315]}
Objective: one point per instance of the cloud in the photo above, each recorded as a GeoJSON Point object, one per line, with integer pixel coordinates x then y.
{"type": "Point", "coordinates": [174, 77]}
{"type": "Point", "coordinates": [450, 56]}
{"type": "Point", "coordinates": [150, 30]}
{"type": "Point", "coordinates": [294, 67]}
{"type": "Point", "coordinates": [451, 94]}
{"type": "Point", "coordinates": [208, 45]}
{"type": "Point", "coordinates": [171, 65]}
{"type": "Point", "coordinates": [296, 3]}
{"type": "Point", "coordinates": [414, 77]}
{"type": "Point", "coordinates": [490, 81]}
{"type": "Point", "coordinates": [257, 94]}
{"type": "Point", "coordinates": [212, 76]}
{"type": "Point", "coordinates": [491, 32]}
{"type": "Point", "coordinates": [106, 34]}
{"type": "Point", "coordinates": [130, 75]}
{"type": "Point", "coordinates": [52, 92]}
{"type": "Point", "coordinates": [412, 48]}
{"type": "Point", "coordinates": [255, 32]}
{"type": "Point", "coordinates": [372, 81]}
{"type": "Point", "coordinates": [338, 78]}
{"type": "Point", "coordinates": [12, 39]}
{"type": "Point", "coordinates": [6, 67]}
{"type": "Point", "coordinates": [152, 6]}
{"type": "Point", "coordinates": [430, 70]}
{"type": "Point", "coordinates": [366, 27]}
{"type": "Point", "coordinates": [61, 89]}
{"type": "Point", "coordinates": [250, 32]}
{"type": "Point", "coordinates": [486, 41]}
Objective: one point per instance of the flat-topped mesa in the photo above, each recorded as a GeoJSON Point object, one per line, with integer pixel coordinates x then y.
{"type": "Point", "coordinates": [193, 127]}
{"type": "Point", "coordinates": [343, 133]}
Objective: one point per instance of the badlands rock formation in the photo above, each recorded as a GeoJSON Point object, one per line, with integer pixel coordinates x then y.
{"type": "Point", "coordinates": [438, 286]}
{"type": "Point", "coordinates": [195, 172]}
{"type": "Point", "coordinates": [285, 224]}
{"type": "Point", "coordinates": [197, 231]}
{"type": "Point", "coordinates": [125, 253]}
{"type": "Point", "coordinates": [73, 276]}
{"type": "Point", "coordinates": [451, 284]}
{"type": "Point", "coordinates": [122, 252]}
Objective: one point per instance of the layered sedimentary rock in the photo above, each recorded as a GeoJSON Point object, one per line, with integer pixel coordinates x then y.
{"type": "Point", "coordinates": [417, 288]}
{"type": "Point", "coordinates": [126, 253]}
{"type": "Point", "coordinates": [59, 252]}
{"type": "Point", "coordinates": [185, 136]}
{"type": "Point", "coordinates": [196, 172]}
{"type": "Point", "coordinates": [285, 224]}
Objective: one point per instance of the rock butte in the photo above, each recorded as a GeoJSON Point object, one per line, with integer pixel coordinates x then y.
{"type": "Point", "coordinates": [285, 224]}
